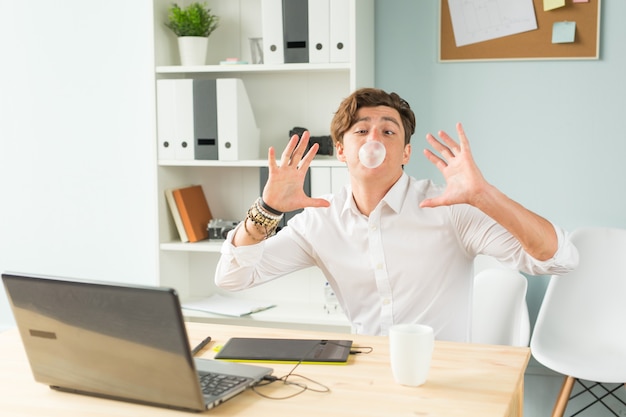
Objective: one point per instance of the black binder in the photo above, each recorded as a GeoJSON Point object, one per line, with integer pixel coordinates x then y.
{"type": "Point", "coordinates": [296, 30]}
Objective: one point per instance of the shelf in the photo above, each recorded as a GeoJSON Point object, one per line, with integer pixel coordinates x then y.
{"type": "Point", "coordinates": [281, 96]}
{"type": "Point", "coordinates": [212, 246]}
{"type": "Point", "coordinates": [251, 68]}
{"type": "Point", "coordinates": [321, 161]}
{"type": "Point", "coordinates": [284, 315]}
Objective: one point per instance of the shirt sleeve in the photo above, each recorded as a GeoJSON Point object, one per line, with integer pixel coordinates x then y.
{"type": "Point", "coordinates": [564, 260]}
{"type": "Point", "coordinates": [242, 267]}
{"type": "Point", "coordinates": [480, 234]}
{"type": "Point", "coordinates": [235, 266]}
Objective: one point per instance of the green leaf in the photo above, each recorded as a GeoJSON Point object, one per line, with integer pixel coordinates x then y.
{"type": "Point", "coordinates": [193, 20]}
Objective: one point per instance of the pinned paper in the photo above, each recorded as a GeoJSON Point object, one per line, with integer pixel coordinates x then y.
{"type": "Point", "coordinates": [563, 32]}
{"type": "Point", "coordinates": [478, 21]}
{"type": "Point", "coordinates": [552, 4]}
{"type": "Point", "coordinates": [581, 1]}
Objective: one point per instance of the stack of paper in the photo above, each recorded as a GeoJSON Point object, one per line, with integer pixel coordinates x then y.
{"type": "Point", "coordinates": [228, 306]}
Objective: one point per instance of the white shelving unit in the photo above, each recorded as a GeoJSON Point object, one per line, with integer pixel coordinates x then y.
{"type": "Point", "coordinates": [281, 96]}
{"type": "Point", "coordinates": [256, 68]}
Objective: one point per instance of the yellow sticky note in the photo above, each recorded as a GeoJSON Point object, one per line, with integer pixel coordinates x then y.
{"type": "Point", "coordinates": [552, 4]}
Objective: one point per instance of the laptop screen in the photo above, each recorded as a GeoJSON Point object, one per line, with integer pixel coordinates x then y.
{"type": "Point", "coordinates": [109, 340]}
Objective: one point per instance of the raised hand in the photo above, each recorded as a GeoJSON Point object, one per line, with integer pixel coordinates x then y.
{"type": "Point", "coordinates": [284, 190]}
{"type": "Point", "coordinates": [464, 181]}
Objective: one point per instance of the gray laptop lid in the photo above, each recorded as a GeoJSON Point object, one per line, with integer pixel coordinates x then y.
{"type": "Point", "coordinates": [111, 340]}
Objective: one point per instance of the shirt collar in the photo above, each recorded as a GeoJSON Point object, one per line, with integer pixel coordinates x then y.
{"type": "Point", "coordinates": [394, 198]}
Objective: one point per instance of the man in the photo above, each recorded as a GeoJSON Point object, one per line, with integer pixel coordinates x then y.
{"type": "Point", "coordinates": [395, 249]}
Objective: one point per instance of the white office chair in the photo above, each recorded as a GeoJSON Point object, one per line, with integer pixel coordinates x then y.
{"type": "Point", "coordinates": [500, 312]}
{"type": "Point", "coordinates": [580, 326]}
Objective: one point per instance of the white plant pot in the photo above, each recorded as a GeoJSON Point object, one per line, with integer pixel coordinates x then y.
{"type": "Point", "coordinates": [193, 50]}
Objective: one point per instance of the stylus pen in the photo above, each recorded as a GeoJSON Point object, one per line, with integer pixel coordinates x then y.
{"type": "Point", "coordinates": [201, 345]}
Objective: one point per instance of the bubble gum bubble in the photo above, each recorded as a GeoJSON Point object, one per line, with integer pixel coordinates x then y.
{"type": "Point", "coordinates": [372, 154]}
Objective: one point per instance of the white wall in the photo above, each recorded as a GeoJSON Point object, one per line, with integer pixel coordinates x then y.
{"type": "Point", "coordinates": [77, 148]}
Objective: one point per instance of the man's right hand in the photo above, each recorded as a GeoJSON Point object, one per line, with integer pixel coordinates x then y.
{"type": "Point", "coordinates": [284, 190]}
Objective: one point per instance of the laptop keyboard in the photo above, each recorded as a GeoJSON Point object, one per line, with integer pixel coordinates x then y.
{"type": "Point", "coordinates": [216, 384]}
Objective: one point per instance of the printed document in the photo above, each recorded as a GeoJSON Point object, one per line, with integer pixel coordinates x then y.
{"type": "Point", "coordinates": [227, 306]}
{"type": "Point", "coordinates": [476, 21]}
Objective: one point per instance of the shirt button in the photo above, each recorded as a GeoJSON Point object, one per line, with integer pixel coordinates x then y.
{"type": "Point", "coordinates": [373, 227]}
{"type": "Point", "coordinates": [386, 301]}
{"type": "Point", "coordinates": [379, 266]}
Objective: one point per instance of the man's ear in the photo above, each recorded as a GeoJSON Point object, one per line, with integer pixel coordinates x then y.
{"type": "Point", "coordinates": [407, 154]}
{"type": "Point", "coordinates": [340, 155]}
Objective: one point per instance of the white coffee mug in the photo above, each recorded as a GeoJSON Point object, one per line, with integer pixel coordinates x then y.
{"type": "Point", "coordinates": [411, 351]}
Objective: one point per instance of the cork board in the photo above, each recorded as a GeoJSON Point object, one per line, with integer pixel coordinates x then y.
{"type": "Point", "coordinates": [534, 44]}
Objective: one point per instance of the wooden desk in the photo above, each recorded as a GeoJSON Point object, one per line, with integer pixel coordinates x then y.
{"type": "Point", "coordinates": [465, 380]}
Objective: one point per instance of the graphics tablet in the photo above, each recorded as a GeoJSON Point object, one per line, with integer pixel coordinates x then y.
{"type": "Point", "coordinates": [285, 350]}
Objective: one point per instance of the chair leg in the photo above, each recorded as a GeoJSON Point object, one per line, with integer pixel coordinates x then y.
{"type": "Point", "coordinates": [563, 398]}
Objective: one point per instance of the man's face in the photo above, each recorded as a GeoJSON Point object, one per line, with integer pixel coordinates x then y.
{"type": "Point", "coordinates": [382, 124]}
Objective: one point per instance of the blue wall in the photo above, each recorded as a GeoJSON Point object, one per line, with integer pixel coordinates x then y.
{"type": "Point", "coordinates": [547, 133]}
{"type": "Point", "coordinates": [550, 134]}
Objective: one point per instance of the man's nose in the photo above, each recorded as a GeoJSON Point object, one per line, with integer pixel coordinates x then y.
{"type": "Point", "coordinates": [374, 135]}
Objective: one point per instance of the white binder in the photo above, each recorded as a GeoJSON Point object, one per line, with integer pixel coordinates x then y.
{"type": "Point", "coordinates": [320, 181]}
{"type": "Point", "coordinates": [339, 178]}
{"type": "Point", "coordinates": [175, 119]}
{"type": "Point", "coordinates": [328, 180]}
{"type": "Point", "coordinates": [166, 130]}
{"type": "Point", "coordinates": [237, 132]}
{"type": "Point", "coordinates": [340, 31]}
{"type": "Point", "coordinates": [319, 31]}
{"type": "Point", "coordinates": [272, 21]}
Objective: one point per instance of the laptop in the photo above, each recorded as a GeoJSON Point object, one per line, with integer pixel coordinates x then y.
{"type": "Point", "coordinates": [117, 341]}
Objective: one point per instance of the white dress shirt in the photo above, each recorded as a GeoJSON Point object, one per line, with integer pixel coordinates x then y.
{"type": "Point", "coordinates": [402, 264]}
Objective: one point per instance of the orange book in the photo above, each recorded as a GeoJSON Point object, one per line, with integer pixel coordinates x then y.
{"type": "Point", "coordinates": [169, 196]}
{"type": "Point", "coordinates": [194, 211]}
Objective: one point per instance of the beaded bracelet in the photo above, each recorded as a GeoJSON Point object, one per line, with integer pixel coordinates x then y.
{"type": "Point", "coordinates": [245, 227]}
{"type": "Point", "coordinates": [261, 217]}
{"type": "Point", "coordinates": [267, 211]}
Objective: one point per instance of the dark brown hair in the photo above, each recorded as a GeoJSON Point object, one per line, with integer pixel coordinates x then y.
{"type": "Point", "coordinates": [345, 116]}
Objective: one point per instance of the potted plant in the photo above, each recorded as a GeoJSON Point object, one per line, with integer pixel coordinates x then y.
{"type": "Point", "coordinates": [192, 25]}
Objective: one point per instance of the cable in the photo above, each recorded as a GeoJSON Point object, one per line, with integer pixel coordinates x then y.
{"type": "Point", "coordinates": [361, 350]}
{"type": "Point", "coordinates": [285, 378]}
{"type": "Point", "coordinates": [302, 386]}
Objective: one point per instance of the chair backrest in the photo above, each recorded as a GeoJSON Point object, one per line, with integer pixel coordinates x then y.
{"type": "Point", "coordinates": [482, 262]}
{"type": "Point", "coordinates": [500, 312]}
{"type": "Point", "coordinates": [580, 327]}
